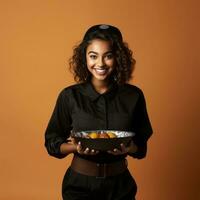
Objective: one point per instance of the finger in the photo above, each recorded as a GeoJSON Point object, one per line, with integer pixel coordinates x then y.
{"type": "Point", "coordinates": [109, 151]}
{"type": "Point", "coordinates": [79, 147]}
{"type": "Point", "coordinates": [72, 140]}
{"type": "Point", "coordinates": [69, 140]}
{"type": "Point", "coordinates": [87, 150]}
{"type": "Point", "coordinates": [123, 147]}
{"type": "Point", "coordinates": [92, 152]}
{"type": "Point", "coordinates": [117, 151]}
{"type": "Point", "coordinates": [114, 151]}
{"type": "Point", "coordinates": [96, 152]}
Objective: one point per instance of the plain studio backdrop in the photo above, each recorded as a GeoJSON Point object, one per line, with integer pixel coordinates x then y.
{"type": "Point", "coordinates": [37, 38]}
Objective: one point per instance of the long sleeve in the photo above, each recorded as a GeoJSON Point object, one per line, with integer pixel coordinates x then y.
{"type": "Point", "coordinates": [142, 127]}
{"type": "Point", "coordinates": [59, 126]}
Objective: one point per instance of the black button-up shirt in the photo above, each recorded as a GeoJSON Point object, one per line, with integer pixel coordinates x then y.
{"type": "Point", "coordinates": [79, 107]}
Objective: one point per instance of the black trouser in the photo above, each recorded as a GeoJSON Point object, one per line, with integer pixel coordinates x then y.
{"type": "Point", "coordinates": [77, 186]}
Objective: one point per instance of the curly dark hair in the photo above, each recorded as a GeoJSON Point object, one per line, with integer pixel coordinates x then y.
{"type": "Point", "coordinates": [124, 66]}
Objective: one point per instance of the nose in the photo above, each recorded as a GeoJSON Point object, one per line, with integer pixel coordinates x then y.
{"type": "Point", "coordinates": [101, 62]}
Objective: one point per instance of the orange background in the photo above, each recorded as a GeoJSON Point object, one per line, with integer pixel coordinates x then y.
{"type": "Point", "coordinates": [37, 38]}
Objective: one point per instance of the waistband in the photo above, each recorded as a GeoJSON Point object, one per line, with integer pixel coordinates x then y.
{"type": "Point", "coordinates": [98, 170]}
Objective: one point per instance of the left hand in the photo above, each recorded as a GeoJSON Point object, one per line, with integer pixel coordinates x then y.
{"type": "Point", "coordinates": [132, 148]}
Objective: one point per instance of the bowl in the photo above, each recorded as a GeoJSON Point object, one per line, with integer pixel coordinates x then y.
{"type": "Point", "coordinates": [100, 143]}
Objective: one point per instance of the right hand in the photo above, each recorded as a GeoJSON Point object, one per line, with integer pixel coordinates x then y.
{"type": "Point", "coordinates": [85, 151]}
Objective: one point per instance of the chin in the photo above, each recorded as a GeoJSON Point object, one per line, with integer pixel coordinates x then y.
{"type": "Point", "coordinates": [101, 78]}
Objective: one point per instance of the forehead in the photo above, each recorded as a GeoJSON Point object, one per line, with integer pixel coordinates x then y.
{"type": "Point", "coordinates": [99, 45]}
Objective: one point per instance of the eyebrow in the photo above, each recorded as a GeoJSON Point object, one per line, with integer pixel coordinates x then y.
{"type": "Point", "coordinates": [97, 53]}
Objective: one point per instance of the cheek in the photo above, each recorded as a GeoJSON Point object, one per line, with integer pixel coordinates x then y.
{"type": "Point", "coordinates": [90, 63]}
{"type": "Point", "coordinates": [110, 63]}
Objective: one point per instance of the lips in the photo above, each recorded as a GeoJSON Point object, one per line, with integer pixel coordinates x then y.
{"type": "Point", "coordinates": [100, 71]}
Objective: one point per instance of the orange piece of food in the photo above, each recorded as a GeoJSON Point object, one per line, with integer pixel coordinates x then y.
{"type": "Point", "coordinates": [103, 135]}
{"type": "Point", "coordinates": [93, 135]}
{"type": "Point", "coordinates": [111, 135]}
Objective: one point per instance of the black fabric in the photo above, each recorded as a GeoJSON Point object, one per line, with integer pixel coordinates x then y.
{"type": "Point", "coordinates": [80, 107]}
{"type": "Point", "coordinates": [76, 186]}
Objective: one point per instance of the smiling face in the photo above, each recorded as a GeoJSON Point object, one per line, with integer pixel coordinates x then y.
{"type": "Point", "coordinates": [100, 60]}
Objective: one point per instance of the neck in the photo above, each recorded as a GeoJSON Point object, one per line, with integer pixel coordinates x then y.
{"type": "Point", "coordinates": [100, 86]}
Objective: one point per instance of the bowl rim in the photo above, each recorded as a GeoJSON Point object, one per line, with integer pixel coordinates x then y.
{"type": "Point", "coordinates": [132, 134]}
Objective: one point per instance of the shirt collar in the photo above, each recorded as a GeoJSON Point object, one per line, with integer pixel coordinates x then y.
{"type": "Point", "coordinates": [88, 89]}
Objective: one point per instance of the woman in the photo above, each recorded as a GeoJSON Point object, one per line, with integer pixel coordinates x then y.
{"type": "Point", "coordinates": [101, 100]}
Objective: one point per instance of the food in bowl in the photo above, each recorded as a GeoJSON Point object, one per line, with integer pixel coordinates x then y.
{"type": "Point", "coordinates": [95, 135]}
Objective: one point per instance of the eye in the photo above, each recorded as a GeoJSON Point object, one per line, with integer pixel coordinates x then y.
{"type": "Point", "coordinates": [109, 56]}
{"type": "Point", "coordinates": [93, 56]}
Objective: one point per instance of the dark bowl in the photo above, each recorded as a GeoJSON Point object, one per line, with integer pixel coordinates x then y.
{"type": "Point", "coordinates": [103, 144]}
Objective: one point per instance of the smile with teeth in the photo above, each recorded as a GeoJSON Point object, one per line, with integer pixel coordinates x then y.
{"type": "Point", "coordinates": [100, 71]}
